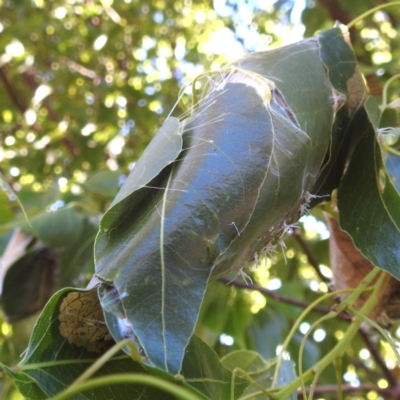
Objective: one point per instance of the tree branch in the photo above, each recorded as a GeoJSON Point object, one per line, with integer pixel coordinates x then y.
{"type": "Point", "coordinates": [311, 258]}
{"type": "Point", "coordinates": [335, 10]}
{"type": "Point", "coordinates": [324, 389]}
{"type": "Point", "coordinates": [15, 98]}
{"type": "Point", "coordinates": [394, 385]}
{"type": "Point", "coordinates": [79, 68]}
{"type": "Point", "coordinates": [272, 294]}
{"type": "Point", "coordinates": [22, 107]}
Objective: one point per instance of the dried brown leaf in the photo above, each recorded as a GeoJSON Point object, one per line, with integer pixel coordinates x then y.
{"type": "Point", "coordinates": [349, 267]}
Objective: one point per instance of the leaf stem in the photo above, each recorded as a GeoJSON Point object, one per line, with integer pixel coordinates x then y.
{"type": "Point", "coordinates": [330, 315]}
{"type": "Point", "coordinates": [296, 325]}
{"type": "Point", "coordinates": [273, 294]}
{"type": "Point", "coordinates": [359, 289]}
{"type": "Point", "coordinates": [342, 346]}
{"type": "Point", "coordinates": [106, 357]}
{"type": "Point", "coordinates": [384, 94]}
{"type": "Point", "coordinates": [391, 150]}
{"type": "Point", "coordinates": [163, 267]}
{"type": "Point", "coordinates": [371, 11]}
{"type": "Point", "coordinates": [379, 329]}
{"type": "Point", "coordinates": [266, 392]}
{"type": "Point", "coordinates": [338, 373]}
{"type": "Point", "coordinates": [139, 379]}
{"type": "Point", "coordinates": [313, 385]}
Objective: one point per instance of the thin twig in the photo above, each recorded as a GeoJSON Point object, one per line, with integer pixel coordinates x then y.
{"type": "Point", "coordinates": [79, 68]}
{"type": "Point", "coordinates": [324, 389]}
{"type": "Point", "coordinates": [391, 378]}
{"type": "Point", "coordinates": [394, 385]}
{"type": "Point", "coordinates": [16, 98]}
{"type": "Point", "coordinates": [273, 294]}
{"type": "Point", "coordinates": [312, 259]}
{"type": "Point", "coordinates": [22, 107]}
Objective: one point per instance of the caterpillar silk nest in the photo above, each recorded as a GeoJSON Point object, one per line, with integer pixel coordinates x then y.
{"type": "Point", "coordinates": [82, 321]}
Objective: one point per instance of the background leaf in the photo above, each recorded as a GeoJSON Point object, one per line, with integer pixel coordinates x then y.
{"type": "Point", "coordinates": [203, 370]}
{"type": "Point", "coordinates": [104, 183]}
{"type": "Point", "coordinates": [56, 229]}
{"type": "Point", "coordinates": [262, 371]}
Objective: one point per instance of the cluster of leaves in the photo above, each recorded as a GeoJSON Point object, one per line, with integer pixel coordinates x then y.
{"type": "Point", "coordinates": [86, 89]}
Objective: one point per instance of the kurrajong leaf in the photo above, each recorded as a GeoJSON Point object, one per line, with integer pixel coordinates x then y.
{"type": "Point", "coordinates": [252, 150]}
{"type": "Point", "coordinates": [57, 229]}
{"type": "Point", "coordinates": [203, 370]}
{"type": "Point", "coordinates": [369, 204]}
{"type": "Point", "coordinates": [349, 93]}
{"type": "Point", "coordinates": [262, 371]}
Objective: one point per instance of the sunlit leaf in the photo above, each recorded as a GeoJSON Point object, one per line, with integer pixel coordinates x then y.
{"type": "Point", "coordinates": [161, 152]}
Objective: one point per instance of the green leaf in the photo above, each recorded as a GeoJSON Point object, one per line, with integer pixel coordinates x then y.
{"type": "Point", "coordinates": [56, 229]}
{"type": "Point", "coordinates": [36, 202]}
{"type": "Point", "coordinates": [348, 95]}
{"type": "Point", "coordinates": [216, 308]}
{"type": "Point", "coordinates": [5, 206]}
{"type": "Point", "coordinates": [51, 363]}
{"type": "Point", "coordinates": [251, 153]}
{"type": "Point", "coordinates": [369, 205]}
{"type": "Point", "coordinates": [203, 370]}
{"type": "Point", "coordinates": [295, 69]}
{"type": "Point", "coordinates": [272, 325]}
{"type": "Point", "coordinates": [315, 19]}
{"type": "Point", "coordinates": [27, 275]}
{"type": "Point", "coordinates": [25, 384]}
{"type": "Point", "coordinates": [393, 168]}
{"type": "Point", "coordinates": [262, 371]}
{"type": "Point", "coordinates": [161, 152]}
{"type": "Point", "coordinates": [103, 182]}
{"type": "Point", "coordinates": [76, 260]}
{"type": "Point", "coordinates": [28, 283]}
